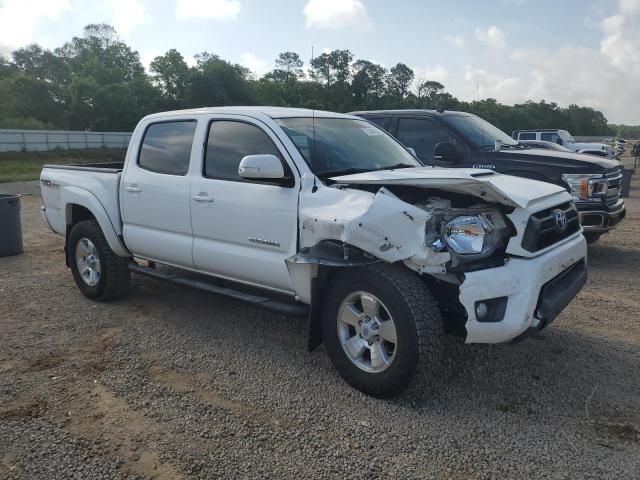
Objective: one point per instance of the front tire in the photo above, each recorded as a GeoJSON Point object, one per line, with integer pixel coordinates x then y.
{"type": "Point", "coordinates": [380, 326]}
{"type": "Point", "coordinates": [98, 272]}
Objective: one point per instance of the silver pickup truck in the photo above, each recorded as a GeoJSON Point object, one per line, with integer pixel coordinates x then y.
{"type": "Point", "coordinates": [327, 216]}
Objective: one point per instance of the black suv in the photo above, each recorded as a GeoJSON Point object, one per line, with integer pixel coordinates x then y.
{"type": "Point", "coordinates": [458, 139]}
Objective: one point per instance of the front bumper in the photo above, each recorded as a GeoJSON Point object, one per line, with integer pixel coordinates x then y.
{"type": "Point", "coordinates": [522, 281]}
{"type": "Point", "coordinates": [598, 218]}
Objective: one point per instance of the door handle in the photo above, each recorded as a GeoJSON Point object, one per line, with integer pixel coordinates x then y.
{"type": "Point", "coordinates": [133, 189]}
{"type": "Point", "coordinates": [202, 197]}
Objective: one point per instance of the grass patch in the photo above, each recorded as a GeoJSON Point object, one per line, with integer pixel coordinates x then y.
{"type": "Point", "coordinates": [26, 166]}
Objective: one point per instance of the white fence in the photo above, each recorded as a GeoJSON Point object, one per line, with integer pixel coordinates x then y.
{"type": "Point", "coordinates": [43, 140]}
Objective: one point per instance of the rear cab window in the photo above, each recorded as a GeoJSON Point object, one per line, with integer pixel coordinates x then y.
{"type": "Point", "coordinates": [166, 147]}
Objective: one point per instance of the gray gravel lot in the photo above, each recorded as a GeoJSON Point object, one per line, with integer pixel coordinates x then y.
{"type": "Point", "coordinates": [174, 383]}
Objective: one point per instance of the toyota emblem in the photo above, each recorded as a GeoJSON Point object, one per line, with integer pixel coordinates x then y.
{"type": "Point", "coordinates": [560, 218]}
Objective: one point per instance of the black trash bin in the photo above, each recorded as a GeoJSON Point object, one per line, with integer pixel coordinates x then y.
{"type": "Point", "coordinates": [10, 225]}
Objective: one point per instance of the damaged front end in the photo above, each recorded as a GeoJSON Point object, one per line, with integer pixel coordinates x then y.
{"type": "Point", "coordinates": [343, 226]}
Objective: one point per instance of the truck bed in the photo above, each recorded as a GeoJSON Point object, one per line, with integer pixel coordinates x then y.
{"type": "Point", "coordinates": [84, 184]}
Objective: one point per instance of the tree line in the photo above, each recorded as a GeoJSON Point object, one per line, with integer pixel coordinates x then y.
{"type": "Point", "coordinates": [97, 82]}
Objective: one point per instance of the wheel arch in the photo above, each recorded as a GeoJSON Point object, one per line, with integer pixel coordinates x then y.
{"type": "Point", "coordinates": [82, 205]}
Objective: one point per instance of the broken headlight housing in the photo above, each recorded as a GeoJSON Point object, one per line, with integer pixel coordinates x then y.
{"type": "Point", "coordinates": [478, 235]}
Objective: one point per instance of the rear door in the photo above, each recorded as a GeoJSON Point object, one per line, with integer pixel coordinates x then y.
{"type": "Point", "coordinates": [155, 196]}
{"type": "Point", "coordinates": [243, 230]}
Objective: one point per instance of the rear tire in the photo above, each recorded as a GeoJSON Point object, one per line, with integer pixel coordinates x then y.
{"type": "Point", "coordinates": [592, 237]}
{"type": "Point", "coordinates": [98, 272]}
{"type": "Point", "coordinates": [349, 319]}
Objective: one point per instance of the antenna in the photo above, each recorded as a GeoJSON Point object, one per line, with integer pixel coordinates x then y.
{"type": "Point", "coordinates": [481, 124]}
{"type": "Point", "coordinates": [314, 189]}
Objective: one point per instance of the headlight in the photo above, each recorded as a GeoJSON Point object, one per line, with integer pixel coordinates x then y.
{"type": "Point", "coordinates": [477, 235]}
{"type": "Point", "coordinates": [586, 186]}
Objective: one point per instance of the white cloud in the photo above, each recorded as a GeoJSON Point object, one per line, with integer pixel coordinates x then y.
{"type": "Point", "coordinates": [208, 9]}
{"type": "Point", "coordinates": [455, 40]}
{"type": "Point", "coordinates": [438, 73]}
{"type": "Point", "coordinates": [256, 64]}
{"type": "Point", "coordinates": [605, 79]}
{"type": "Point", "coordinates": [20, 19]}
{"type": "Point", "coordinates": [126, 15]}
{"type": "Point", "coordinates": [492, 36]}
{"type": "Point", "coordinates": [621, 41]}
{"type": "Point", "coordinates": [333, 14]}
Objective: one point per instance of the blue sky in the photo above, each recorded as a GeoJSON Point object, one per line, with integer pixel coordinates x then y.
{"type": "Point", "coordinates": [570, 51]}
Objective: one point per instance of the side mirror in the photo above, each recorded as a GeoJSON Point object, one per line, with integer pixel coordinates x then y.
{"type": "Point", "coordinates": [261, 167]}
{"type": "Point", "coordinates": [412, 152]}
{"type": "Point", "coordinates": [446, 151]}
{"type": "Point", "coordinates": [559, 141]}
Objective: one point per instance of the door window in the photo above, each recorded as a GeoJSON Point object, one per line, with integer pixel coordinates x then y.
{"type": "Point", "coordinates": [229, 142]}
{"type": "Point", "coordinates": [551, 137]}
{"type": "Point", "coordinates": [166, 147]}
{"type": "Point", "coordinates": [377, 120]}
{"type": "Point", "coordinates": [527, 136]}
{"type": "Point", "coordinates": [422, 135]}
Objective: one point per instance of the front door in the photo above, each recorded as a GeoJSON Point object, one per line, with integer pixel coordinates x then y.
{"type": "Point", "coordinates": [156, 194]}
{"type": "Point", "coordinates": [243, 230]}
{"type": "Point", "coordinates": [423, 134]}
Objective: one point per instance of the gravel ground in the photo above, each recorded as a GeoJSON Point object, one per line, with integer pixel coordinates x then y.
{"type": "Point", "coordinates": [175, 383]}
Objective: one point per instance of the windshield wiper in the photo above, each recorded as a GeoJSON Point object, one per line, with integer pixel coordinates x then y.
{"type": "Point", "coordinates": [345, 171]}
{"type": "Point", "coordinates": [353, 170]}
{"type": "Point", "coordinates": [397, 165]}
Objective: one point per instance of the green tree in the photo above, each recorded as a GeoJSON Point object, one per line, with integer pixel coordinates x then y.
{"type": "Point", "coordinates": [283, 80]}
{"type": "Point", "coordinates": [215, 82]}
{"type": "Point", "coordinates": [399, 81]}
{"type": "Point", "coordinates": [367, 83]}
{"type": "Point", "coordinates": [171, 73]}
{"type": "Point", "coordinates": [429, 89]}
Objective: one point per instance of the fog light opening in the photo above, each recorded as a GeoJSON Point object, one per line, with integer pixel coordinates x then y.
{"type": "Point", "coordinates": [491, 310]}
{"type": "Point", "coordinates": [482, 310]}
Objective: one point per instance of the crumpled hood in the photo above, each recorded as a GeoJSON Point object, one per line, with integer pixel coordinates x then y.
{"type": "Point", "coordinates": [485, 184]}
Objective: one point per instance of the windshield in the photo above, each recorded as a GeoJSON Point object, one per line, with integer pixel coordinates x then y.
{"type": "Point", "coordinates": [566, 136]}
{"type": "Point", "coordinates": [477, 131]}
{"type": "Point", "coordinates": [345, 145]}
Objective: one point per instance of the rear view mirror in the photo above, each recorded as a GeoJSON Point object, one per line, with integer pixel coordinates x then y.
{"type": "Point", "coordinates": [446, 152]}
{"type": "Point", "coordinates": [261, 167]}
{"type": "Point", "coordinates": [412, 152]}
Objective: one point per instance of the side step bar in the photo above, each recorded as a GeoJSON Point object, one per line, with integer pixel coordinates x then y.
{"type": "Point", "coordinates": [293, 310]}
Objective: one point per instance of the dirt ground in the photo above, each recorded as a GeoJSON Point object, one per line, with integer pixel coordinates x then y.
{"type": "Point", "coordinates": [174, 383]}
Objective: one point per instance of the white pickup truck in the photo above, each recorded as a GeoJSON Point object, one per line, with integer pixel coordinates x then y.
{"type": "Point", "coordinates": [323, 215]}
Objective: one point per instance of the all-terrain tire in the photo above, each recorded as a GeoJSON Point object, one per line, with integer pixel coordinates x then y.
{"type": "Point", "coordinates": [416, 315]}
{"type": "Point", "coordinates": [114, 275]}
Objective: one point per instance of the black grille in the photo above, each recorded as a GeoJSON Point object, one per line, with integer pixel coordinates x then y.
{"type": "Point", "coordinates": [542, 230]}
{"type": "Point", "coordinates": [614, 182]}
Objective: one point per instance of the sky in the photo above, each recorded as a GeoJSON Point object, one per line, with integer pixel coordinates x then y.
{"type": "Point", "coordinates": [570, 51]}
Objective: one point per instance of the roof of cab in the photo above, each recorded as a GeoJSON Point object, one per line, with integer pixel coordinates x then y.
{"type": "Point", "coordinates": [272, 112]}
{"type": "Point", "coordinates": [411, 112]}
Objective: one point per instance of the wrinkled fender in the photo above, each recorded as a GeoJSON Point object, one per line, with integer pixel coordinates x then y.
{"type": "Point", "coordinates": [71, 195]}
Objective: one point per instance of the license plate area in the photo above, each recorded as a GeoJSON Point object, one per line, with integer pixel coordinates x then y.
{"type": "Point", "coordinates": [558, 292]}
